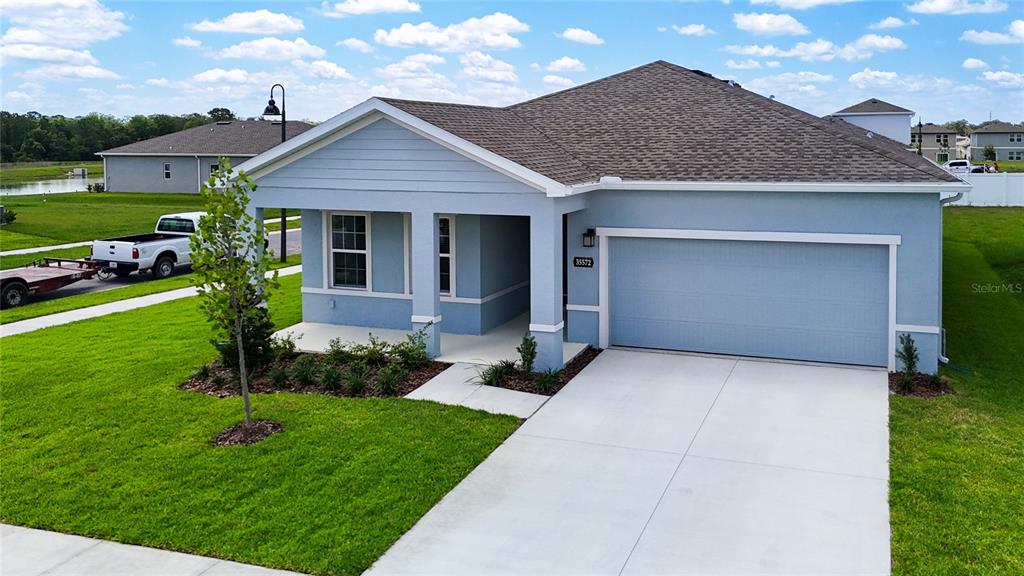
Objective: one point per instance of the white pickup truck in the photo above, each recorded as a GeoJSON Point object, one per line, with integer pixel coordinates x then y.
{"type": "Point", "coordinates": [167, 247]}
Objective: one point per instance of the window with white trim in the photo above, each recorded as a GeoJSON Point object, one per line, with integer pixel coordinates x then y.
{"type": "Point", "coordinates": [349, 251]}
{"type": "Point", "coordinates": [446, 251]}
{"type": "Point", "coordinates": [1015, 155]}
{"type": "Point", "coordinates": [167, 170]}
{"type": "Point", "coordinates": [1016, 137]}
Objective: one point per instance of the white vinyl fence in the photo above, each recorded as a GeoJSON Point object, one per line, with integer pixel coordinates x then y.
{"type": "Point", "coordinates": [994, 190]}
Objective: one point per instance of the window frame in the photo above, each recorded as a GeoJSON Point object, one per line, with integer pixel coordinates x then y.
{"type": "Point", "coordinates": [1016, 137]}
{"type": "Point", "coordinates": [450, 255]}
{"type": "Point", "coordinates": [167, 170]}
{"type": "Point", "coordinates": [329, 251]}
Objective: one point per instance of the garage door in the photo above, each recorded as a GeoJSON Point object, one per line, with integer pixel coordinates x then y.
{"type": "Point", "coordinates": [818, 302]}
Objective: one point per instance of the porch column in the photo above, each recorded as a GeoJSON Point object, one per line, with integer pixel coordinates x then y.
{"type": "Point", "coordinates": [426, 299]}
{"type": "Point", "coordinates": [546, 288]}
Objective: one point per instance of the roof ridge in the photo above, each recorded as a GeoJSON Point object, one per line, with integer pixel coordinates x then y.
{"type": "Point", "coordinates": [798, 115]}
{"type": "Point", "coordinates": [553, 142]}
{"type": "Point", "coordinates": [438, 103]}
{"type": "Point", "coordinates": [578, 86]}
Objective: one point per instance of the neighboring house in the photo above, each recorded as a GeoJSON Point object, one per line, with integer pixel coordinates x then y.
{"type": "Point", "coordinates": [182, 161]}
{"type": "Point", "coordinates": [879, 117]}
{"type": "Point", "coordinates": [622, 212]}
{"type": "Point", "coordinates": [937, 143]}
{"type": "Point", "coordinates": [1007, 140]}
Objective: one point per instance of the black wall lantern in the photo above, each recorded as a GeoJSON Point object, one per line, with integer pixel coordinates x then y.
{"type": "Point", "coordinates": [588, 238]}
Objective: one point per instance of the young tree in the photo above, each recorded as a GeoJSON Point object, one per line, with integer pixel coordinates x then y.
{"type": "Point", "coordinates": [990, 153]}
{"type": "Point", "coordinates": [230, 269]}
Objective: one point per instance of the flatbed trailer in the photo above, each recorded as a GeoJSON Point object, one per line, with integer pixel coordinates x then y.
{"type": "Point", "coordinates": [41, 276]}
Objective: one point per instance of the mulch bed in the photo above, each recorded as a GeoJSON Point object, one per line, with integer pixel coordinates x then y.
{"type": "Point", "coordinates": [222, 381]}
{"type": "Point", "coordinates": [925, 386]}
{"type": "Point", "coordinates": [247, 432]}
{"type": "Point", "coordinates": [524, 382]}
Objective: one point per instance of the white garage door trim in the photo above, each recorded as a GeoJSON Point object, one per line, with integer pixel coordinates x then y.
{"type": "Point", "coordinates": [891, 240]}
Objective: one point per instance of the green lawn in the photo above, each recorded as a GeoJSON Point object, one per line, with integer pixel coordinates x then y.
{"type": "Point", "coordinates": [99, 440]}
{"type": "Point", "coordinates": [17, 260]}
{"type": "Point", "coordinates": [957, 463]}
{"type": "Point", "coordinates": [1008, 165]}
{"type": "Point", "coordinates": [62, 218]}
{"type": "Point", "coordinates": [85, 300]}
{"type": "Point", "coordinates": [20, 173]}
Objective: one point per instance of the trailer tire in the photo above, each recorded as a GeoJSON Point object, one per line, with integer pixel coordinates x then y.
{"type": "Point", "coordinates": [13, 294]}
{"type": "Point", "coordinates": [163, 267]}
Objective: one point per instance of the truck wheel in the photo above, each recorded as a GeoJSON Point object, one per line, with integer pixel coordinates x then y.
{"type": "Point", "coordinates": [122, 273]}
{"type": "Point", "coordinates": [13, 294]}
{"type": "Point", "coordinates": [163, 268]}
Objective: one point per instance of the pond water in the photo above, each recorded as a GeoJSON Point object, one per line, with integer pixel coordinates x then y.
{"type": "Point", "coordinates": [55, 186]}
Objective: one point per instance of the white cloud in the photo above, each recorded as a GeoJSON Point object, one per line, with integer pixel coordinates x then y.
{"type": "Point", "coordinates": [957, 7]}
{"type": "Point", "coordinates": [558, 81]}
{"type": "Point", "coordinates": [356, 44]}
{"type": "Point", "coordinates": [892, 22]}
{"type": "Point", "coordinates": [414, 77]}
{"type": "Point", "coordinates": [1013, 35]}
{"type": "Point", "coordinates": [126, 86]}
{"type": "Point", "coordinates": [486, 67]}
{"type": "Point", "coordinates": [321, 69]}
{"type": "Point", "coordinates": [823, 50]}
{"type": "Point", "coordinates": [693, 30]}
{"type": "Point", "coordinates": [270, 48]}
{"type": "Point", "coordinates": [773, 64]}
{"type": "Point", "coordinates": [794, 85]}
{"type": "Point", "coordinates": [360, 7]}
{"type": "Point", "coordinates": [742, 65]}
{"type": "Point", "coordinates": [64, 23]}
{"type": "Point", "coordinates": [187, 42]}
{"type": "Point", "coordinates": [411, 66]}
{"type": "Point", "coordinates": [158, 82]}
{"type": "Point", "coordinates": [495, 31]}
{"type": "Point", "coordinates": [566, 64]}
{"type": "Point", "coordinates": [1004, 78]}
{"type": "Point", "coordinates": [47, 53]}
{"type": "Point", "coordinates": [868, 78]}
{"type": "Point", "coordinates": [766, 24]}
{"type": "Point", "coordinates": [582, 36]}
{"type": "Point", "coordinates": [662, 29]}
{"type": "Point", "coordinates": [974, 64]}
{"type": "Point", "coordinates": [255, 22]}
{"type": "Point", "coordinates": [235, 75]}
{"type": "Point", "coordinates": [799, 4]}
{"type": "Point", "coordinates": [69, 71]}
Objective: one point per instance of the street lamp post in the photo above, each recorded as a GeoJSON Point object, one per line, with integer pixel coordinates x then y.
{"type": "Point", "coordinates": [273, 110]}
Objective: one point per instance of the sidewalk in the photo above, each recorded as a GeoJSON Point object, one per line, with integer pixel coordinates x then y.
{"type": "Point", "coordinates": [37, 249]}
{"type": "Point", "coordinates": [41, 322]}
{"type": "Point", "coordinates": [31, 552]}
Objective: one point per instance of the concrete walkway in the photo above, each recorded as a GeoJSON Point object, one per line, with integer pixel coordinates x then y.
{"type": "Point", "coordinates": [30, 552]}
{"type": "Point", "coordinates": [37, 249]}
{"type": "Point", "coordinates": [651, 463]}
{"type": "Point", "coordinates": [60, 318]}
{"type": "Point", "coordinates": [458, 386]}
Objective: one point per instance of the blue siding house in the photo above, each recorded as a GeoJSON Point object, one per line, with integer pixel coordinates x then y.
{"type": "Point", "coordinates": [619, 213]}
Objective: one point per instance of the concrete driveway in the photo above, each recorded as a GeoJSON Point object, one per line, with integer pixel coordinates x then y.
{"type": "Point", "coordinates": [650, 463]}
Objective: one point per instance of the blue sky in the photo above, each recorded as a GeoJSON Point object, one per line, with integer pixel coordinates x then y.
{"type": "Point", "coordinates": [945, 59]}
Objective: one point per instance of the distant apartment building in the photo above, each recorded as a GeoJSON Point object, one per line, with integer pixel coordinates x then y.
{"type": "Point", "coordinates": [1006, 139]}
{"type": "Point", "coordinates": [937, 143]}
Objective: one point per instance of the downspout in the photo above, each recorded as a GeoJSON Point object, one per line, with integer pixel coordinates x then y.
{"type": "Point", "coordinates": [199, 175]}
{"type": "Point", "coordinates": [942, 334]}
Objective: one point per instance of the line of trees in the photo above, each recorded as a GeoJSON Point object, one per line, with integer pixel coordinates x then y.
{"type": "Point", "coordinates": [964, 128]}
{"type": "Point", "coordinates": [33, 136]}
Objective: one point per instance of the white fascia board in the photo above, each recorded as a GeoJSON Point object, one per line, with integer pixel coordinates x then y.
{"type": "Point", "coordinates": [869, 187]}
{"type": "Point", "coordinates": [374, 108]}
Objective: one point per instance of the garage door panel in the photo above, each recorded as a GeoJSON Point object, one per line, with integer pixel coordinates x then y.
{"type": "Point", "coordinates": [821, 302]}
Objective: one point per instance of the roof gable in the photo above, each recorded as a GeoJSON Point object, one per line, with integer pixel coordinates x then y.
{"type": "Point", "coordinates": [874, 106]}
{"type": "Point", "coordinates": [231, 138]}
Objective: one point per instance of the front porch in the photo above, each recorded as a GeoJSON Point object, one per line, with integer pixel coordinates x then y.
{"type": "Point", "coordinates": [493, 346]}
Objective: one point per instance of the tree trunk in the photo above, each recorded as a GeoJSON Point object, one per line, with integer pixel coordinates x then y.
{"type": "Point", "coordinates": [243, 374]}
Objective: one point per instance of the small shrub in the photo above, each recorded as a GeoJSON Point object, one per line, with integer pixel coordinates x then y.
{"type": "Point", "coordinates": [282, 347]}
{"type": "Point", "coordinates": [339, 352]}
{"type": "Point", "coordinates": [305, 370]}
{"type": "Point", "coordinates": [330, 377]}
{"type": "Point", "coordinates": [935, 382]}
{"type": "Point", "coordinates": [218, 380]}
{"type": "Point", "coordinates": [545, 381]}
{"type": "Point", "coordinates": [374, 353]}
{"type": "Point", "coordinates": [256, 338]}
{"type": "Point", "coordinates": [527, 352]}
{"type": "Point", "coordinates": [906, 352]}
{"type": "Point", "coordinates": [356, 377]}
{"type": "Point", "coordinates": [202, 372]}
{"type": "Point", "coordinates": [495, 374]}
{"type": "Point", "coordinates": [279, 376]}
{"type": "Point", "coordinates": [412, 353]}
{"type": "Point", "coordinates": [8, 216]}
{"type": "Point", "coordinates": [391, 378]}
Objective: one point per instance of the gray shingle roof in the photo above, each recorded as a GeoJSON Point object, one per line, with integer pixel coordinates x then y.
{"type": "Point", "coordinates": [1000, 127]}
{"type": "Point", "coordinates": [234, 138]}
{"type": "Point", "coordinates": [873, 105]}
{"type": "Point", "coordinates": [664, 122]}
{"type": "Point", "coordinates": [930, 128]}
